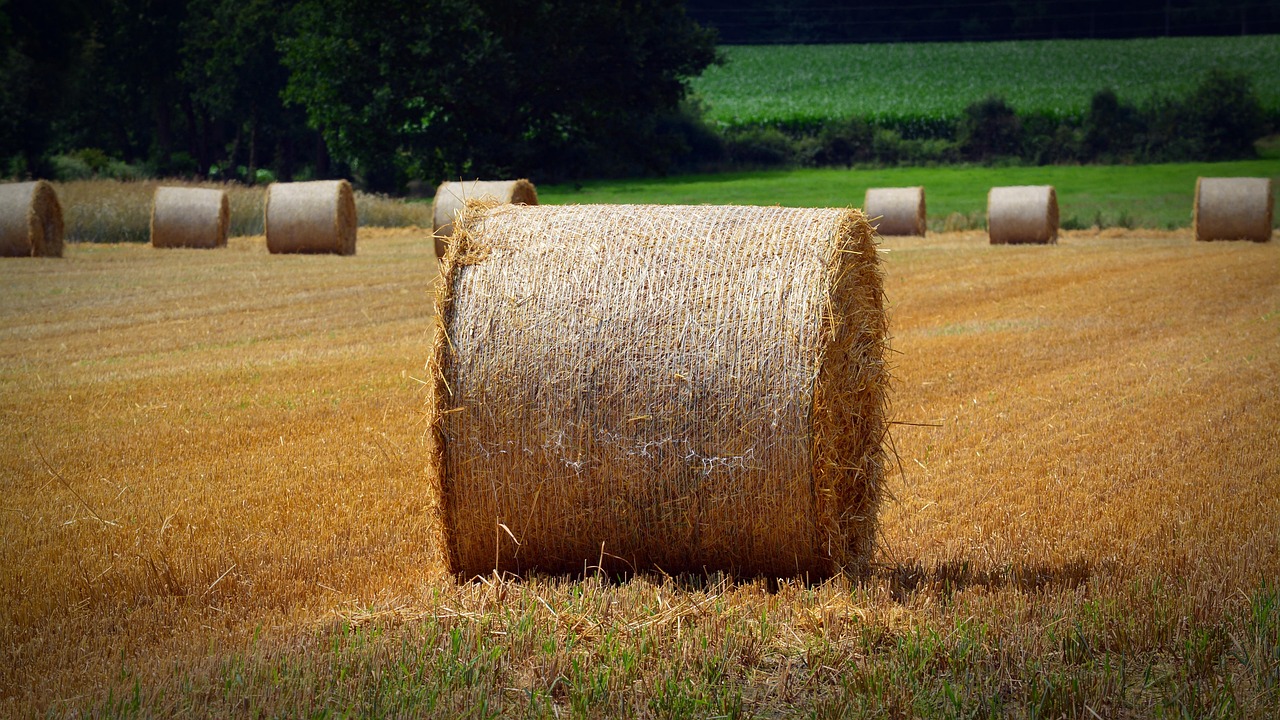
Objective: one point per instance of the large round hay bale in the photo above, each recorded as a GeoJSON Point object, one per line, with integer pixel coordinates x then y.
{"type": "Point", "coordinates": [189, 218]}
{"type": "Point", "coordinates": [1234, 208]}
{"type": "Point", "coordinates": [452, 197]}
{"type": "Point", "coordinates": [311, 217]}
{"type": "Point", "coordinates": [1022, 214]}
{"type": "Point", "coordinates": [682, 388]}
{"type": "Point", "coordinates": [30, 220]}
{"type": "Point", "coordinates": [896, 211]}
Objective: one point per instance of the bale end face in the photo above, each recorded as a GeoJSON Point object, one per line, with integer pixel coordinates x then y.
{"type": "Point", "coordinates": [451, 198]}
{"type": "Point", "coordinates": [1233, 209]}
{"type": "Point", "coordinates": [30, 220]}
{"type": "Point", "coordinates": [718, 403]}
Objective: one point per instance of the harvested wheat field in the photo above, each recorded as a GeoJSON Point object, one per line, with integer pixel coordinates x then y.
{"type": "Point", "coordinates": [213, 502]}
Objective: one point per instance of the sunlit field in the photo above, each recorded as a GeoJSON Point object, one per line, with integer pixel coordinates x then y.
{"type": "Point", "coordinates": [213, 502]}
{"type": "Point", "coordinates": [906, 82]}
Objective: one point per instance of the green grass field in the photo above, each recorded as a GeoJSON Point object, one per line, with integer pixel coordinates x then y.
{"type": "Point", "coordinates": [808, 83]}
{"type": "Point", "coordinates": [1151, 196]}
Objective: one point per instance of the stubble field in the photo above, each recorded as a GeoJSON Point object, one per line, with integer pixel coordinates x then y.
{"type": "Point", "coordinates": [212, 502]}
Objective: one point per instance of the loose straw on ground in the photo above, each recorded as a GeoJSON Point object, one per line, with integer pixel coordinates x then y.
{"type": "Point", "coordinates": [30, 220]}
{"type": "Point", "coordinates": [896, 211]}
{"type": "Point", "coordinates": [189, 218]}
{"type": "Point", "coordinates": [1022, 214]}
{"type": "Point", "coordinates": [311, 217]}
{"type": "Point", "coordinates": [1235, 208]}
{"type": "Point", "coordinates": [658, 387]}
{"type": "Point", "coordinates": [452, 197]}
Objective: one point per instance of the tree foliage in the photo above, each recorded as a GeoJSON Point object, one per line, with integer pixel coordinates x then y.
{"type": "Point", "coordinates": [395, 90]}
{"type": "Point", "coordinates": [451, 87]}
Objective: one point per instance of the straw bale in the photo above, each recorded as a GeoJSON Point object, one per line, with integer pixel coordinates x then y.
{"type": "Point", "coordinates": [311, 217]}
{"type": "Point", "coordinates": [30, 220]}
{"type": "Point", "coordinates": [639, 387]}
{"type": "Point", "coordinates": [190, 218]}
{"type": "Point", "coordinates": [1236, 208]}
{"type": "Point", "coordinates": [896, 211]}
{"type": "Point", "coordinates": [1022, 214]}
{"type": "Point", "coordinates": [452, 197]}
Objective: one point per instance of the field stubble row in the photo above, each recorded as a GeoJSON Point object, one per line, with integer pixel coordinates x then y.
{"type": "Point", "coordinates": [213, 499]}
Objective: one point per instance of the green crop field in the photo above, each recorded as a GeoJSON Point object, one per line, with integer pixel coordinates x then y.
{"type": "Point", "coordinates": [804, 84]}
{"type": "Point", "coordinates": [1150, 196]}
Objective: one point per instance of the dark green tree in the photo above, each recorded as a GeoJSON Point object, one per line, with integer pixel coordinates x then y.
{"type": "Point", "coordinates": [1225, 113]}
{"type": "Point", "coordinates": [40, 44]}
{"type": "Point", "coordinates": [1111, 127]}
{"type": "Point", "coordinates": [446, 88]}
{"type": "Point", "coordinates": [388, 84]}
{"type": "Point", "coordinates": [233, 78]}
{"type": "Point", "coordinates": [988, 129]}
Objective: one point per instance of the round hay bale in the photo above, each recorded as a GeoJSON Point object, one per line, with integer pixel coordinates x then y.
{"type": "Point", "coordinates": [896, 211]}
{"type": "Point", "coordinates": [1234, 208]}
{"type": "Point", "coordinates": [189, 218]}
{"type": "Point", "coordinates": [311, 217]}
{"type": "Point", "coordinates": [30, 220]}
{"type": "Point", "coordinates": [638, 387]}
{"type": "Point", "coordinates": [452, 197]}
{"type": "Point", "coordinates": [1022, 214]}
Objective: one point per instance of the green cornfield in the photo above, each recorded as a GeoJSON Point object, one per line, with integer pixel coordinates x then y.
{"type": "Point", "coordinates": [930, 82]}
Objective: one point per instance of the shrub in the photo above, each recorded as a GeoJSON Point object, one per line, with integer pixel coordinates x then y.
{"type": "Point", "coordinates": [69, 167]}
{"type": "Point", "coordinates": [1111, 127]}
{"type": "Point", "coordinates": [988, 129]}
{"type": "Point", "coordinates": [1225, 114]}
{"type": "Point", "coordinates": [691, 144]}
{"type": "Point", "coordinates": [758, 147]}
{"type": "Point", "coordinates": [844, 142]}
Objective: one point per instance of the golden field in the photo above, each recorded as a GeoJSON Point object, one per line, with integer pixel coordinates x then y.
{"type": "Point", "coordinates": [212, 502]}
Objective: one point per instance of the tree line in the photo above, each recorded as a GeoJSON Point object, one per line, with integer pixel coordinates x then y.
{"type": "Point", "coordinates": [386, 92]}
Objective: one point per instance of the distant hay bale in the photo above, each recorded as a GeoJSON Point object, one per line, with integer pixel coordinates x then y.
{"type": "Point", "coordinates": [452, 197]}
{"type": "Point", "coordinates": [681, 388]}
{"type": "Point", "coordinates": [1022, 214]}
{"type": "Point", "coordinates": [311, 217]}
{"type": "Point", "coordinates": [1233, 209]}
{"type": "Point", "coordinates": [30, 220]}
{"type": "Point", "coordinates": [896, 211]}
{"type": "Point", "coordinates": [189, 218]}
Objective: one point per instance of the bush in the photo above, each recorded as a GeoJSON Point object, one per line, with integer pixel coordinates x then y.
{"type": "Point", "coordinates": [691, 144]}
{"type": "Point", "coordinates": [758, 147]}
{"type": "Point", "coordinates": [1225, 114]}
{"type": "Point", "coordinates": [844, 142]}
{"type": "Point", "coordinates": [70, 167]}
{"type": "Point", "coordinates": [1110, 128]}
{"type": "Point", "coordinates": [90, 163]}
{"type": "Point", "coordinates": [1219, 120]}
{"type": "Point", "coordinates": [989, 129]}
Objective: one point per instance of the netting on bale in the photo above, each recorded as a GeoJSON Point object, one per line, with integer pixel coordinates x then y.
{"type": "Point", "coordinates": [1236, 208]}
{"type": "Point", "coordinates": [311, 217]}
{"type": "Point", "coordinates": [1022, 214]}
{"type": "Point", "coordinates": [451, 198]}
{"type": "Point", "coordinates": [189, 218]}
{"type": "Point", "coordinates": [658, 387]}
{"type": "Point", "coordinates": [896, 211]}
{"type": "Point", "coordinates": [30, 220]}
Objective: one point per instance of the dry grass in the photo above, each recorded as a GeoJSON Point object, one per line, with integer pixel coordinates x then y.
{"type": "Point", "coordinates": [212, 499]}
